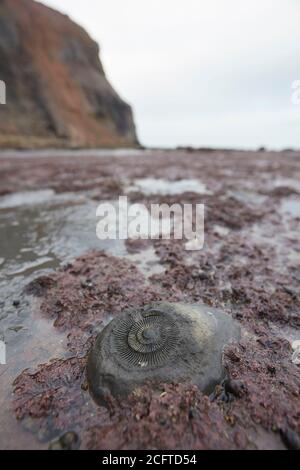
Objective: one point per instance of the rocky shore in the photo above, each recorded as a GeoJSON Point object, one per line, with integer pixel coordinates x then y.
{"type": "Point", "coordinates": [74, 284]}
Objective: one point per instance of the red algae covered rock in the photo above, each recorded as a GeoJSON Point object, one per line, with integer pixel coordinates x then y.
{"type": "Point", "coordinates": [85, 295]}
{"type": "Point", "coordinates": [53, 402]}
{"type": "Point", "coordinates": [268, 390]}
{"type": "Point", "coordinates": [173, 417]}
{"type": "Point", "coordinates": [252, 408]}
{"type": "Point", "coordinates": [248, 268]}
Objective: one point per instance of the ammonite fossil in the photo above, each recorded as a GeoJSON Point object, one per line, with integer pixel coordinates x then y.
{"type": "Point", "coordinates": [161, 342]}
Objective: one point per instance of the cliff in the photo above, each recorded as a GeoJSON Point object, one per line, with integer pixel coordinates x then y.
{"type": "Point", "coordinates": [57, 93]}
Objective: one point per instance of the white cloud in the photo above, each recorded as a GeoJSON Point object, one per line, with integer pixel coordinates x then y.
{"type": "Point", "coordinates": [201, 72]}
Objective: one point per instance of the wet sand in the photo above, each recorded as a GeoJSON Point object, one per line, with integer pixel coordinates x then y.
{"type": "Point", "coordinates": [60, 285]}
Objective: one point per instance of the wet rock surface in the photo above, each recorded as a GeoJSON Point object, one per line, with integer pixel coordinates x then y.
{"type": "Point", "coordinates": [161, 342]}
{"type": "Point", "coordinates": [249, 268]}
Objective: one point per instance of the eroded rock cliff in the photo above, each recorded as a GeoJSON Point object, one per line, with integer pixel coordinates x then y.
{"type": "Point", "coordinates": [57, 93]}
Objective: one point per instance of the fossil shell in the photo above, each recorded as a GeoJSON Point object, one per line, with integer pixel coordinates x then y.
{"type": "Point", "coordinates": [161, 342]}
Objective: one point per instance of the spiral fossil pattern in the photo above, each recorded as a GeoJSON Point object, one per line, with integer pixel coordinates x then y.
{"type": "Point", "coordinates": [148, 341]}
{"type": "Point", "coordinates": [159, 343]}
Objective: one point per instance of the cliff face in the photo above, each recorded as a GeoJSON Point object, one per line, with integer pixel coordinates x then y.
{"type": "Point", "coordinates": [56, 90]}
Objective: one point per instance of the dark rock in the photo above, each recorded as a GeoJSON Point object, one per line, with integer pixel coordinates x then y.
{"type": "Point", "coordinates": [86, 284]}
{"type": "Point", "coordinates": [170, 342]}
{"type": "Point", "coordinates": [68, 441]}
{"type": "Point", "coordinates": [290, 438]}
{"type": "Point", "coordinates": [236, 387]}
{"type": "Point", "coordinates": [39, 286]}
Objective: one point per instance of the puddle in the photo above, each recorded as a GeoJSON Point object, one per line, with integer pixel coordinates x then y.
{"type": "Point", "coordinates": [51, 233]}
{"type": "Point", "coordinates": [26, 198]}
{"type": "Point", "coordinates": [164, 187]}
{"type": "Point", "coordinates": [39, 231]}
{"type": "Point", "coordinates": [31, 267]}
{"type": "Point", "coordinates": [147, 262]}
{"type": "Point", "coordinates": [248, 197]}
{"type": "Point", "coordinates": [30, 340]}
{"type": "Point", "coordinates": [220, 230]}
{"type": "Point", "coordinates": [287, 182]}
{"type": "Point", "coordinates": [291, 206]}
{"type": "Point", "coordinates": [76, 153]}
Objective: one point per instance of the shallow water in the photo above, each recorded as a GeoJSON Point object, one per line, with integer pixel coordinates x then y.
{"type": "Point", "coordinates": [248, 197]}
{"type": "Point", "coordinates": [287, 182]}
{"type": "Point", "coordinates": [39, 231]}
{"type": "Point", "coordinates": [165, 187]}
{"type": "Point", "coordinates": [46, 153]}
{"type": "Point", "coordinates": [147, 262]}
{"type": "Point", "coordinates": [291, 206]}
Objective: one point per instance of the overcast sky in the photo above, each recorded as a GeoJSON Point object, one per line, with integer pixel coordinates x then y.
{"type": "Point", "coordinates": [201, 72]}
